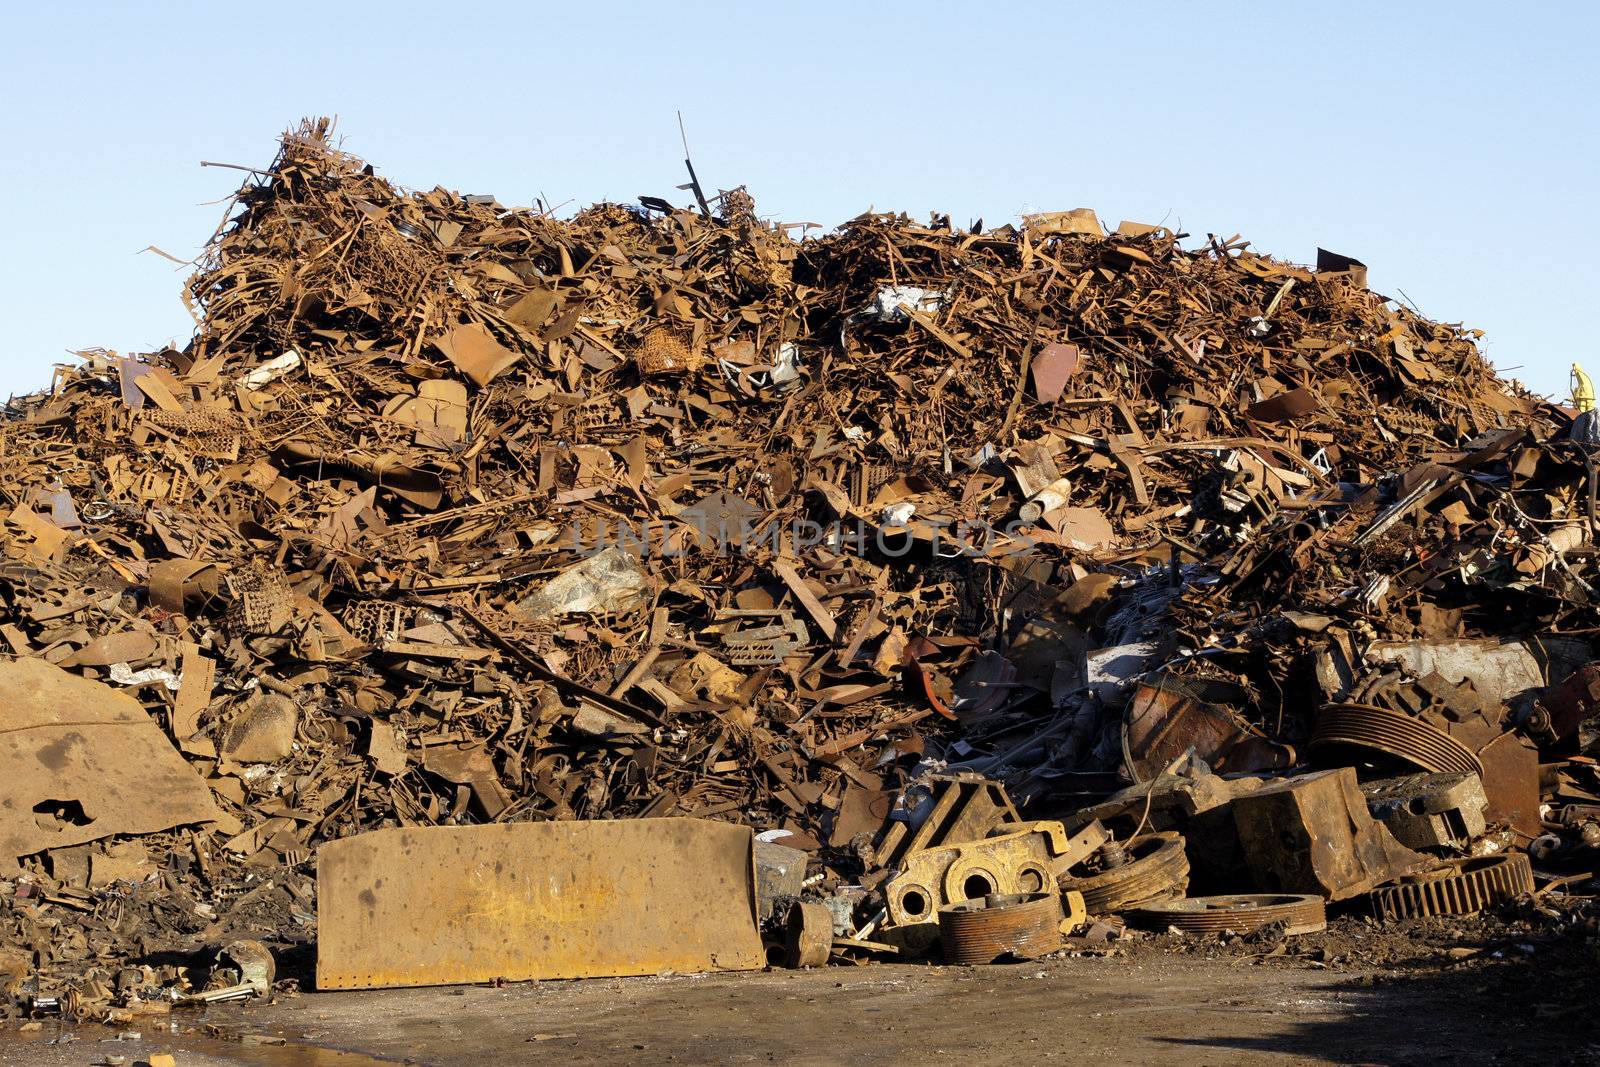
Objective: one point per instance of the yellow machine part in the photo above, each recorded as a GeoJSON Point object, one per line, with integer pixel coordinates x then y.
{"type": "Point", "coordinates": [1582, 390]}
{"type": "Point", "coordinates": [1077, 912]}
{"type": "Point", "coordinates": [1028, 859]}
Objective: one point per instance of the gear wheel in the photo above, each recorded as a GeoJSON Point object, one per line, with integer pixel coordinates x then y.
{"type": "Point", "coordinates": [1157, 869]}
{"type": "Point", "coordinates": [1460, 887]}
{"type": "Point", "coordinates": [1241, 913]}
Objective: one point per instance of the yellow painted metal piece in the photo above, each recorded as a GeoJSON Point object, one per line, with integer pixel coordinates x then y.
{"type": "Point", "coordinates": [965, 808]}
{"type": "Point", "coordinates": [1582, 390]}
{"type": "Point", "coordinates": [438, 905]}
{"type": "Point", "coordinates": [1077, 912]}
{"type": "Point", "coordinates": [1026, 860]}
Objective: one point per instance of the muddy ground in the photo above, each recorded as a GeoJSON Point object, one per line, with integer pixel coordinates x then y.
{"type": "Point", "coordinates": [1445, 990]}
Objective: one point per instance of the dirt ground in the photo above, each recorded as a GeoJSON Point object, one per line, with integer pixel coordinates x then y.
{"type": "Point", "coordinates": [1489, 993]}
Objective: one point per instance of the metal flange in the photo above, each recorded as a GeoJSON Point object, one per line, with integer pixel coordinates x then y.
{"type": "Point", "coordinates": [1241, 913]}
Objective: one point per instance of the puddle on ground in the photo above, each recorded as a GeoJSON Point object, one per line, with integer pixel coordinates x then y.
{"type": "Point", "coordinates": [93, 1043]}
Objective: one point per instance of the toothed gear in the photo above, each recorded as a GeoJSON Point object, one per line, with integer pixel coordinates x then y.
{"type": "Point", "coordinates": [1460, 887]}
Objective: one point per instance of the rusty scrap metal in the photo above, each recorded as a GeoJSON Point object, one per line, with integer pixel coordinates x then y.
{"type": "Point", "coordinates": [947, 809]}
{"type": "Point", "coordinates": [760, 637]}
{"type": "Point", "coordinates": [1554, 718]}
{"type": "Point", "coordinates": [1313, 834]}
{"type": "Point", "coordinates": [1429, 810]}
{"type": "Point", "coordinates": [1460, 887]}
{"type": "Point", "coordinates": [1167, 718]}
{"type": "Point", "coordinates": [1147, 868]}
{"type": "Point", "coordinates": [809, 935]}
{"type": "Point", "coordinates": [1390, 733]}
{"type": "Point", "coordinates": [651, 512]}
{"type": "Point", "coordinates": [1240, 913]}
{"type": "Point", "coordinates": [1029, 858]}
{"type": "Point", "coordinates": [82, 762]}
{"type": "Point", "coordinates": [997, 925]}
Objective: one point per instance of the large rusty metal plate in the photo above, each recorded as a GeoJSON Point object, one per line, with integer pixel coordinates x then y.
{"type": "Point", "coordinates": [436, 905]}
{"type": "Point", "coordinates": [81, 761]}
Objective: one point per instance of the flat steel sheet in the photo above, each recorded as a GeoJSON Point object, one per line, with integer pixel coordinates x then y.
{"type": "Point", "coordinates": [446, 904]}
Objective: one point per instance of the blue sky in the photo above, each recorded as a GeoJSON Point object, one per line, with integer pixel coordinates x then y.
{"type": "Point", "coordinates": [1450, 146]}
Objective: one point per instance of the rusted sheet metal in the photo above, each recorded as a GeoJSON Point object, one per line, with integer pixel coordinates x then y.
{"type": "Point", "coordinates": [1511, 783]}
{"type": "Point", "coordinates": [80, 761]}
{"type": "Point", "coordinates": [446, 904]}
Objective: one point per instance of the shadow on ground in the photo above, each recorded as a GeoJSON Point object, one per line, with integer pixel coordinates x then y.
{"type": "Point", "coordinates": [1516, 1002]}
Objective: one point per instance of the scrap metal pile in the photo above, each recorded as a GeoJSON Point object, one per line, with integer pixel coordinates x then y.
{"type": "Point", "coordinates": [454, 513]}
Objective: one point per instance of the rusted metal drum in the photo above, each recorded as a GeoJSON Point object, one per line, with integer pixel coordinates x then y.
{"type": "Point", "coordinates": [810, 930]}
{"type": "Point", "coordinates": [1000, 924]}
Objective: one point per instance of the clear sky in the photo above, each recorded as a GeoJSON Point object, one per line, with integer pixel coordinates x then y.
{"type": "Point", "coordinates": [1452, 146]}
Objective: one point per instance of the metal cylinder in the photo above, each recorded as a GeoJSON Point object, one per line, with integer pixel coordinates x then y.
{"type": "Point", "coordinates": [810, 930]}
{"type": "Point", "coordinates": [1046, 500]}
{"type": "Point", "coordinates": [1019, 924]}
